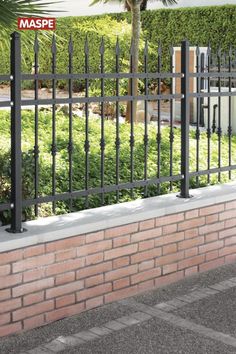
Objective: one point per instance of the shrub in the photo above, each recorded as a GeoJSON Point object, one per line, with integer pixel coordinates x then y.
{"type": "Point", "coordinates": [78, 160]}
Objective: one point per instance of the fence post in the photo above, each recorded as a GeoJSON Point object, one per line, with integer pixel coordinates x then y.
{"type": "Point", "coordinates": [185, 117]}
{"type": "Point", "coordinates": [16, 163]}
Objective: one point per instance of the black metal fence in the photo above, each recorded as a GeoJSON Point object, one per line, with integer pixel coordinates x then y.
{"type": "Point", "coordinates": [208, 120]}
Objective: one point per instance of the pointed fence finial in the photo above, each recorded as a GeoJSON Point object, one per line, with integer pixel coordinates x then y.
{"type": "Point", "coordinates": [70, 46]}
{"type": "Point", "coordinates": [102, 46]}
{"type": "Point", "coordinates": [36, 43]}
{"type": "Point", "coordinates": [54, 45]}
{"type": "Point", "coordinates": [86, 46]}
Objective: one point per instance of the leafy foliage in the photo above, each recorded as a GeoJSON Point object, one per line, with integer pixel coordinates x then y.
{"type": "Point", "coordinates": [78, 160]}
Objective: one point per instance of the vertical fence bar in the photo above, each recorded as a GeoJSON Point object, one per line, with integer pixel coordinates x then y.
{"type": "Point", "coordinates": [185, 115]}
{"type": "Point", "coordinates": [70, 144]}
{"type": "Point", "coordinates": [230, 110]}
{"type": "Point", "coordinates": [54, 146]}
{"type": "Point", "coordinates": [197, 133]}
{"type": "Point", "coordinates": [36, 122]}
{"type": "Point", "coordinates": [86, 143]}
{"type": "Point", "coordinates": [131, 141]}
{"type": "Point", "coordinates": [209, 113]}
{"type": "Point", "coordinates": [219, 130]}
{"type": "Point", "coordinates": [117, 142]}
{"type": "Point", "coordinates": [145, 138]}
{"type": "Point", "coordinates": [16, 158]}
{"type": "Point", "coordinates": [159, 64]}
{"type": "Point", "coordinates": [102, 140]}
{"type": "Point", "coordinates": [171, 136]}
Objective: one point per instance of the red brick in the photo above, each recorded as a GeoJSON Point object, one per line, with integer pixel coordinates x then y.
{"type": "Point", "coordinates": [93, 292]}
{"type": "Point", "coordinates": [230, 223]}
{"type": "Point", "coordinates": [34, 251]}
{"type": "Point", "coordinates": [93, 270]}
{"type": "Point", "coordinates": [33, 298]}
{"type": "Point", "coordinates": [121, 283]}
{"type": "Point", "coordinates": [121, 251]}
{"type": "Point", "coordinates": [169, 248]}
{"type": "Point", "coordinates": [121, 273]}
{"type": "Point", "coordinates": [33, 262]}
{"type": "Point", "coordinates": [33, 310]}
{"type": "Point", "coordinates": [64, 289]}
{"type": "Point", "coordinates": [65, 300]}
{"type": "Point", "coordinates": [9, 257]}
{"type": "Point", "coordinates": [230, 241]}
{"type": "Point", "coordinates": [212, 209]}
{"type": "Point", "coordinates": [169, 268]}
{"type": "Point", "coordinates": [121, 294]}
{"type": "Point", "coordinates": [10, 329]}
{"type": "Point", "coordinates": [191, 271]}
{"type": "Point", "coordinates": [94, 258]}
{"type": "Point", "coordinates": [65, 312]}
{"type": "Point", "coordinates": [211, 246]}
{"type": "Point", "coordinates": [169, 219]}
{"type": "Point", "coordinates": [5, 318]}
{"type": "Point", "coordinates": [227, 232]}
{"type": "Point", "coordinates": [95, 280]}
{"type": "Point", "coordinates": [121, 230]}
{"type": "Point", "coordinates": [146, 235]}
{"type": "Point", "coordinates": [228, 214]}
{"type": "Point", "coordinates": [10, 280]}
{"type": "Point", "coordinates": [170, 258]}
{"type": "Point", "coordinates": [191, 252]}
{"type": "Point", "coordinates": [227, 250]}
{"type": "Point", "coordinates": [146, 265]}
{"type": "Point", "coordinates": [5, 294]}
{"type": "Point", "coordinates": [147, 224]}
{"type": "Point", "coordinates": [94, 248]}
{"type": "Point", "coordinates": [191, 214]}
{"type": "Point", "coordinates": [190, 233]}
{"type": "Point", "coordinates": [231, 258]}
{"type": "Point", "coordinates": [190, 224]}
{"type": "Point", "coordinates": [121, 241]}
{"type": "Point", "coordinates": [169, 229]}
{"type": "Point", "coordinates": [146, 275]}
{"type": "Point", "coordinates": [211, 237]}
{"type": "Point", "coordinates": [32, 287]}
{"type": "Point", "coordinates": [146, 285]}
{"type": "Point", "coordinates": [146, 245]}
{"type": "Point", "coordinates": [190, 262]}
{"type": "Point", "coordinates": [63, 267]}
{"type": "Point", "coordinates": [93, 303]}
{"type": "Point", "coordinates": [33, 322]}
{"type": "Point", "coordinates": [121, 262]}
{"type": "Point", "coordinates": [211, 228]}
{"type": "Point", "coordinates": [168, 279]}
{"type": "Point", "coordinates": [34, 274]}
{"type": "Point", "coordinates": [210, 219]}
{"type": "Point", "coordinates": [65, 243]}
{"type": "Point", "coordinates": [10, 305]}
{"type": "Point", "coordinates": [94, 237]}
{"type": "Point", "coordinates": [164, 240]}
{"type": "Point", "coordinates": [211, 265]}
{"type": "Point", "coordinates": [5, 270]}
{"type": "Point", "coordinates": [149, 254]}
{"type": "Point", "coordinates": [212, 255]}
{"type": "Point", "coordinates": [230, 205]}
{"type": "Point", "coordinates": [64, 255]}
{"type": "Point", "coordinates": [65, 278]}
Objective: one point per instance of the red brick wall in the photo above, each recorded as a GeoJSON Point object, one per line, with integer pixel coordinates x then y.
{"type": "Point", "coordinates": [44, 283]}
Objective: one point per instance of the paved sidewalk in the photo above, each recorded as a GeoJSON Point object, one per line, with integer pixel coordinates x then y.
{"type": "Point", "coordinates": [197, 315]}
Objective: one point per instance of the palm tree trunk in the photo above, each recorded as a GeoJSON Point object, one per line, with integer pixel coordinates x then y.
{"type": "Point", "coordinates": [136, 26]}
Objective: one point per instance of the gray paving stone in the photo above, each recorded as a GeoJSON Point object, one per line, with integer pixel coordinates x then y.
{"type": "Point", "coordinates": [176, 303]}
{"type": "Point", "coordinates": [141, 316]}
{"type": "Point", "coordinates": [100, 331]}
{"type": "Point", "coordinates": [86, 335]}
{"type": "Point", "coordinates": [186, 298]}
{"type": "Point", "coordinates": [39, 350]}
{"type": "Point", "coordinates": [70, 340]}
{"type": "Point", "coordinates": [209, 291]}
{"type": "Point", "coordinates": [55, 346]}
{"type": "Point", "coordinates": [114, 325]}
{"type": "Point", "coordinates": [128, 320]}
{"type": "Point", "coordinates": [218, 287]}
{"type": "Point", "coordinates": [233, 279]}
{"type": "Point", "coordinates": [165, 307]}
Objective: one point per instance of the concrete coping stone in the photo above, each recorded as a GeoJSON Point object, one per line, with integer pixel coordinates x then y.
{"type": "Point", "coordinates": [87, 221]}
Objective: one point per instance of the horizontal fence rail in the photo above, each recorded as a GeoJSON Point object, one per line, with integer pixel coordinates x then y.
{"type": "Point", "coordinates": [190, 152]}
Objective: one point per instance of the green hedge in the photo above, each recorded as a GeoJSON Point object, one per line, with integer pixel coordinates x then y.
{"type": "Point", "coordinates": [78, 160]}
{"type": "Point", "coordinates": [200, 25]}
